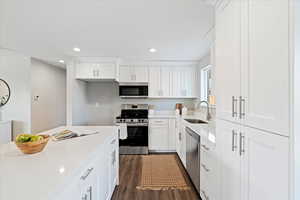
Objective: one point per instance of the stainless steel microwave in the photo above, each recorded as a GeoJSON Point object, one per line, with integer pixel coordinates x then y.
{"type": "Point", "coordinates": [133, 91]}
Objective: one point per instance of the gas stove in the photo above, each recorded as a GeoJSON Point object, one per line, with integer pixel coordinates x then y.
{"type": "Point", "coordinates": [136, 119]}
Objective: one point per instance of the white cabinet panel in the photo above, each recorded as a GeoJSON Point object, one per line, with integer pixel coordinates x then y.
{"type": "Point", "coordinates": [133, 74]}
{"type": "Point", "coordinates": [172, 135]}
{"type": "Point", "coordinates": [96, 71]}
{"type": "Point", "coordinates": [230, 160]}
{"type": "Point", "coordinates": [265, 165]}
{"type": "Point", "coordinates": [158, 138]}
{"type": "Point", "coordinates": [175, 79]}
{"type": "Point", "coordinates": [141, 74]}
{"type": "Point", "coordinates": [228, 64]}
{"type": "Point", "coordinates": [154, 82]}
{"type": "Point", "coordinates": [162, 135]}
{"type": "Point", "coordinates": [126, 74]}
{"type": "Point", "coordinates": [165, 81]}
{"type": "Point", "coordinates": [265, 69]}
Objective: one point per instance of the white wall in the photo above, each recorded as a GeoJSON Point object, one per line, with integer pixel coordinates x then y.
{"type": "Point", "coordinates": [49, 83]}
{"type": "Point", "coordinates": [104, 103]}
{"type": "Point", "coordinates": [76, 98]}
{"type": "Point", "coordinates": [2, 22]}
{"type": "Point", "coordinates": [297, 103]}
{"type": "Point", "coordinates": [15, 69]}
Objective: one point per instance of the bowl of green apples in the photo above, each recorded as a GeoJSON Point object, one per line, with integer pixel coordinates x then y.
{"type": "Point", "coordinates": [30, 144]}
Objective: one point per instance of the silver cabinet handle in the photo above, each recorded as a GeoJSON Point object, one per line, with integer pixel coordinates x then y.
{"type": "Point", "coordinates": [234, 101]}
{"type": "Point", "coordinates": [179, 136]}
{"type": "Point", "coordinates": [233, 145]}
{"type": "Point", "coordinates": [113, 141]}
{"type": "Point", "coordinates": [90, 190]}
{"type": "Point", "coordinates": [205, 147]}
{"type": "Point", "coordinates": [242, 107]}
{"type": "Point", "coordinates": [242, 144]}
{"type": "Point", "coordinates": [83, 177]}
{"type": "Point", "coordinates": [205, 168]}
{"type": "Point", "coordinates": [84, 197]}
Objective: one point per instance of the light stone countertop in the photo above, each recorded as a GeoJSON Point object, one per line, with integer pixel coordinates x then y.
{"type": "Point", "coordinates": [41, 176]}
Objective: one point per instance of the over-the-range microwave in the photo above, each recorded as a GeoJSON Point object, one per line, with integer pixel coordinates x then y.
{"type": "Point", "coordinates": [133, 91]}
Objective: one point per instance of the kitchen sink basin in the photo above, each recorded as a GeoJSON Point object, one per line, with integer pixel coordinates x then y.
{"type": "Point", "coordinates": [195, 121]}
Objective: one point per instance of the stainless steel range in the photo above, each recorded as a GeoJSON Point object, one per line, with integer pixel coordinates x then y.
{"type": "Point", "coordinates": [136, 118]}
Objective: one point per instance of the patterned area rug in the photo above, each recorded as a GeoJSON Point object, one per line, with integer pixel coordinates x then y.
{"type": "Point", "coordinates": [161, 172]}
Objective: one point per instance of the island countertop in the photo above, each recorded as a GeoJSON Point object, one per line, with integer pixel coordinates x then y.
{"type": "Point", "coordinates": [40, 176]}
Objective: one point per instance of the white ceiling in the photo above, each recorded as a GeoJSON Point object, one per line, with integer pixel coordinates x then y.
{"type": "Point", "coordinates": [49, 29]}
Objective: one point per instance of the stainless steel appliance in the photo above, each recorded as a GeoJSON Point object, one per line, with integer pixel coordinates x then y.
{"type": "Point", "coordinates": [133, 91]}
{"type": "Point", "coordinates": [193, 157]}
{"type": "Point", "coordinates": [136, 118]}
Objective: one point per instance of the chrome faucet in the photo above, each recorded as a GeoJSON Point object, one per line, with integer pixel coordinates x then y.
{"type": "Point", "coordinates": [208, 116]}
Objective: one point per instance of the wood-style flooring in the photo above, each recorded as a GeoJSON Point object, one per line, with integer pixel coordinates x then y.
{"type": "Point", "coordinates": [130, 176]}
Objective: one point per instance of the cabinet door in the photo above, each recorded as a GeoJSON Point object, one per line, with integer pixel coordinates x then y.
{"type": "Point", "coordinates": [107, 71]}
{"type": "Point", "coordinates": [72, 192]}
{"type": "Point", "coordinates": [165, 81]}
{"type": "Point", "coordinates": [141, 74]}
{"type": "Point", "coordinates": [126, 74]}
{"type": "Point", "coordinates": [266, 72]}
{"type": "Point", "coordinates": [228, 64]}
{"type": "Point", "coordinates": [158, 138]}
{"type": "Point", "coordinates": [85, 71]}
{"type": "Point", "coordinates": [190, 82]}
{"type": "Point", "coordinates": [175, 82]}
{"type": "Point", "coordinates": [230, 164]}
{"type": "Point", "coordinates": [172, 135]}
{"type": "Point", "coordinates": [154, 81]}
{"type": "Point", "coordinates": [265, 157]}
{"type": "Point", "coordinates": [103, 176]}
{"type": "Point", "coordinates": [177, 136]}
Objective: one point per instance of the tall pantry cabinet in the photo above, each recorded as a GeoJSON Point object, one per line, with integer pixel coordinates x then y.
{"type": "Point", "coordinates": [253, 98]}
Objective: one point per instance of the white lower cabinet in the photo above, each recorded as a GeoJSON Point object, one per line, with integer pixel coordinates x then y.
{"type": "Point", "coordinates": [254, 164]}
{"type": "Point", "coordinates": [162, 135]}
{"type": "Point", "coordinates": [99, 178]}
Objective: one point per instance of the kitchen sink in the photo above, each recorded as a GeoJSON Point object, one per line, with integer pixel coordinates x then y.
{"type": "Point", "coordinates": [195, 121]}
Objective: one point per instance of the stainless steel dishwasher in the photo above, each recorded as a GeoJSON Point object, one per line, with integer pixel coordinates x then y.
{"type": "Point", "coordinates": [193, 156]}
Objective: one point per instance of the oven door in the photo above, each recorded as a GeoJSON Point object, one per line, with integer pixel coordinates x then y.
{"type": "Point", "coordinates": [133, 91]}
{"type": "Point", "coordinates": [137, 136]}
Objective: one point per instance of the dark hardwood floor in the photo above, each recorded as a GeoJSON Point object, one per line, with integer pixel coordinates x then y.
{"type": "Point", "coordinates": [130, 175]}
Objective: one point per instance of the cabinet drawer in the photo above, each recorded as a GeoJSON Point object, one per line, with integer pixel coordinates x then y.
{"type": "Point", "coordinates": [158, 122]}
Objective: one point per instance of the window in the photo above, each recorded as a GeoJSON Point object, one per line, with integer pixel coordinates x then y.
{"type": "Point", "coordinates": [206, 83]}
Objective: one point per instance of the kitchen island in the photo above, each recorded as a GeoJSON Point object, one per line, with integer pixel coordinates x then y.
{"type": "Point", "coordinates": [78, 168]}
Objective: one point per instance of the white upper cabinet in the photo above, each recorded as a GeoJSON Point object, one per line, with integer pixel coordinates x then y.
{"type": "Point", "coordinates": [96, 71]}
{"type": "Point", "coordinates": [133, 74]}
{"type": "Point", "coordinates": [265, 65]}
{"type": "Point", "coordinates": [252, 64]}
{"type": "Point", "coordinates": [173, 81]}
{"type": "Point", "coordinates": [154, 82]}
{"type": "Point", "coordinates": [228, 67]}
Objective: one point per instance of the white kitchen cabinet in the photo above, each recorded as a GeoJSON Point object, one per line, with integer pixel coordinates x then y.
{"type": "Point", "coordinates": [96, 71]}
{"type": "Point", "coordinates": [172, 81]}
{"type": "Point", "coordinates": [162, 135]}
{"type": "Point", "coordinates": [228, 56]}
{"type": "Point", "coordinates": [230, 162]}
{"type": "Point", "coordinates": [252, 66]}
{"type": "Point", "coordinates": [133, 74]}
{"type": "Point", "coordinates": [113, 165]}
{"type": "Point", "coordinates": [250, 159]}
{"type": "Point", "coordinates": [265, 65]}
{"type": "Point", "coordinates": [182, 143]}
{"type": "Point", "coordinates": [165, 81]}
{"type": "Point", "coordinates": [154, 82]}
{"type": "Point", "coordinates": [265, 157]}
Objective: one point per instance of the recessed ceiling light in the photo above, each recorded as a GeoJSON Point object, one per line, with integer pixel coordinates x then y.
{"type": "Point", "coordinates": [76, 49]}
{"type": "Point", "coordinates": [152, 50]}
{"type": "Point", "coordinates": [61, 61]}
